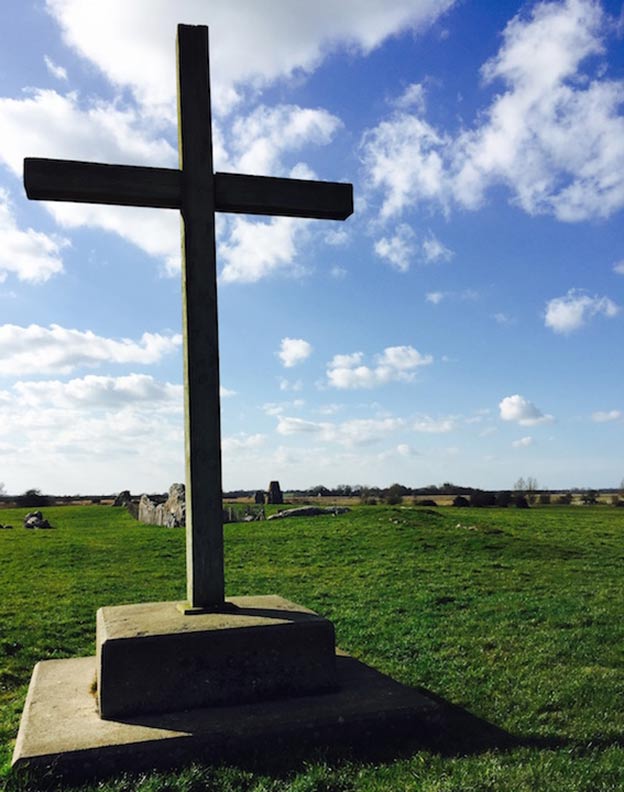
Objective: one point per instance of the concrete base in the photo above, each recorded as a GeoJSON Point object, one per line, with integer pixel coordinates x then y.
{"type": "Point", "coordinates": [61, 730]}
{"type": "Point", "coordinates": [153, 658]}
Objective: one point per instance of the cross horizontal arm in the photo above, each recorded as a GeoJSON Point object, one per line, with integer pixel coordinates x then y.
{"type": "Point", "coordinates": [131, 185]}
{"type": "Point", "coordinates": [266, 195]}
{"type": "Point", "coordinates": [91, 182]}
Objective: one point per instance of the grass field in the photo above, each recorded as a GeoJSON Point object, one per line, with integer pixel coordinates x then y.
{"type": "Point", "coordinates": [516, 615]}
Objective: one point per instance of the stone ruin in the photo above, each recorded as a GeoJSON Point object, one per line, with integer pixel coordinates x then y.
{"type": "Point", "coordinates": [35, 520]}
{"type": "Point", "coordinates": [169, 512]}
{"type": "Point", "coordinates": [123, 499]}
{"type": "Point", "coordinates": [274, 494]}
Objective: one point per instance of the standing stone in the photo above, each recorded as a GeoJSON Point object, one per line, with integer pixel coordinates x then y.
{"type": "Point", "coordinates": [259, 497]}
{"type": "Point", "coordinates": [148, 511]}
{"type": "Point", "coordinates": [169, 511]}
{"type": "Point", "coordinates": [123, 498]}
{"type": "Point", "coordinates": [274, 494]}
{"type": "Point", "coordinates": [174, 508]}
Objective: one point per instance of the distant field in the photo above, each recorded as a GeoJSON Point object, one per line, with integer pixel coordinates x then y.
{"type": "Point", "coordinates": [516, 615]}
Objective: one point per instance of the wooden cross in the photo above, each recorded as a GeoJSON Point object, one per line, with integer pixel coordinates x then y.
{"type": "Point", "coordinates": [198, 193]}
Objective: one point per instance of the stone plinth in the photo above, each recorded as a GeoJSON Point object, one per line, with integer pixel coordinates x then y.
{"type": "Point", "coordinates": [263, 680]}
{"type": "Point", "coordinates": [62, 734]}
{"type": "Point", "coordinates": [152, 658]}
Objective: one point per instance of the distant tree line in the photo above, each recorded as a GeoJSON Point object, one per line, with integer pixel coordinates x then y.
{"type": "Point", "coordinates": [526, 492]}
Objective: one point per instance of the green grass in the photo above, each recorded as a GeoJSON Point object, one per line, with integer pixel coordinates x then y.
{"type": "Point", "coordinates": [518, 616]}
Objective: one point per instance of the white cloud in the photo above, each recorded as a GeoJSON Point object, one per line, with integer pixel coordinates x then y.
{"type": "Point", "coordinates": [356, 432]}
{"type": "Point", "coordinates": [259, 139]}
{"type": "Point", "coordinates": [523, 442]}
{"type": "Point", "coordinates": [278, 408]}
{"type": "Point", "coordinates": [290, 426]}
{"type": "Point", "coordinates": [289, 385]}
{"type": "Point", "coordinates": [395, 364]}
{"type": "Point", "coordinates": [399, 249]}
{"type": "Point", "coordinates": [98, 391]}
{"type": "Point", "coordinates": [155, 231]}
{"type": "Point", "coordinates": [402, 358]}
{"type": "Point", "coordinates": [489, 430]}
{"type": "Point", "coordinates": [330, 409]}
{"type": "Point", "coordinates": [517, 408]}
{"type": "Point", "coordinates": [40, 350]}
{"type": "Point", "coordinates": [402, 157]}
{"type": "Point", "coordinates": [413, 97]}
{"type": "Point", "coordinates": [336, 237]}
{"type": "Point", "coordinates": [256, 249]}
{"type": "Point", "coordinates": [64, 432]}
{"type": "Point", "coordinates": [294, 351]}
{"type": "Point", "coordinates": [433, 426]}
{"type": "Point", "coordinates": [605, 417]}
{"type": "Point", "coordinates": [549, 136]}
{"type": "Point", "coordinates": [31, 255]}
{"type": "Point", "coordinates": [434, 250]}
{"type": "Point", "coordinates": [366, 431]}
{"type": "Point", "coordinates": [55, 70]}
{"type": "Point", "coordinates": [271, 408]}
{"type": "Point", "coordinates": [338, 273]}
{"type": "Point", "coordinates": [569, 313]}
{"type": "Point", "coordinates": [226, 393]}
{"type": "Point", "coordinates": [235, 444]}
{"type": "Point", "coordinates": [285, 38]}
{"type": "Point", "coordinates": [435, 297]}
{"type": "Point", "coordinates": [48, 124]}
{"type": "Point", "coordinates": [503, 318]}
{"type": "Point", "coordinates": [553, 136]}
{"type": "Point", "coordinates": [618, 268]}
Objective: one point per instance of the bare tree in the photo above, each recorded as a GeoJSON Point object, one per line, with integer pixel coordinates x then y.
{"type": "Point", "coordinates": [531, 489]}
{"type": "Point", "coordinates": [528, 487]}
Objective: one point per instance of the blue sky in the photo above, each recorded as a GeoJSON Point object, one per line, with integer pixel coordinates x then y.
{"type": "Point", "coordinates": [463, 325]}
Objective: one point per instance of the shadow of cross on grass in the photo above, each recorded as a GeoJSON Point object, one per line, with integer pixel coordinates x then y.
{"type": "Point", "coordinates": [198, 193]}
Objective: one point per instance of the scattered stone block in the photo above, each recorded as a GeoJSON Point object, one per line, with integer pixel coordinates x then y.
{"type": "Point", "coordinates": [35, 520]}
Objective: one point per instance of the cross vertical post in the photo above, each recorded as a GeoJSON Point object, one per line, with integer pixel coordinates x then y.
{"type": "Point", "coordinates": [204, 515]}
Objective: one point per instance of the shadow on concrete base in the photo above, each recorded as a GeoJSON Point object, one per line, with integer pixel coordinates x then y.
{"type": "Point", "coordinates": [62, 735]}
